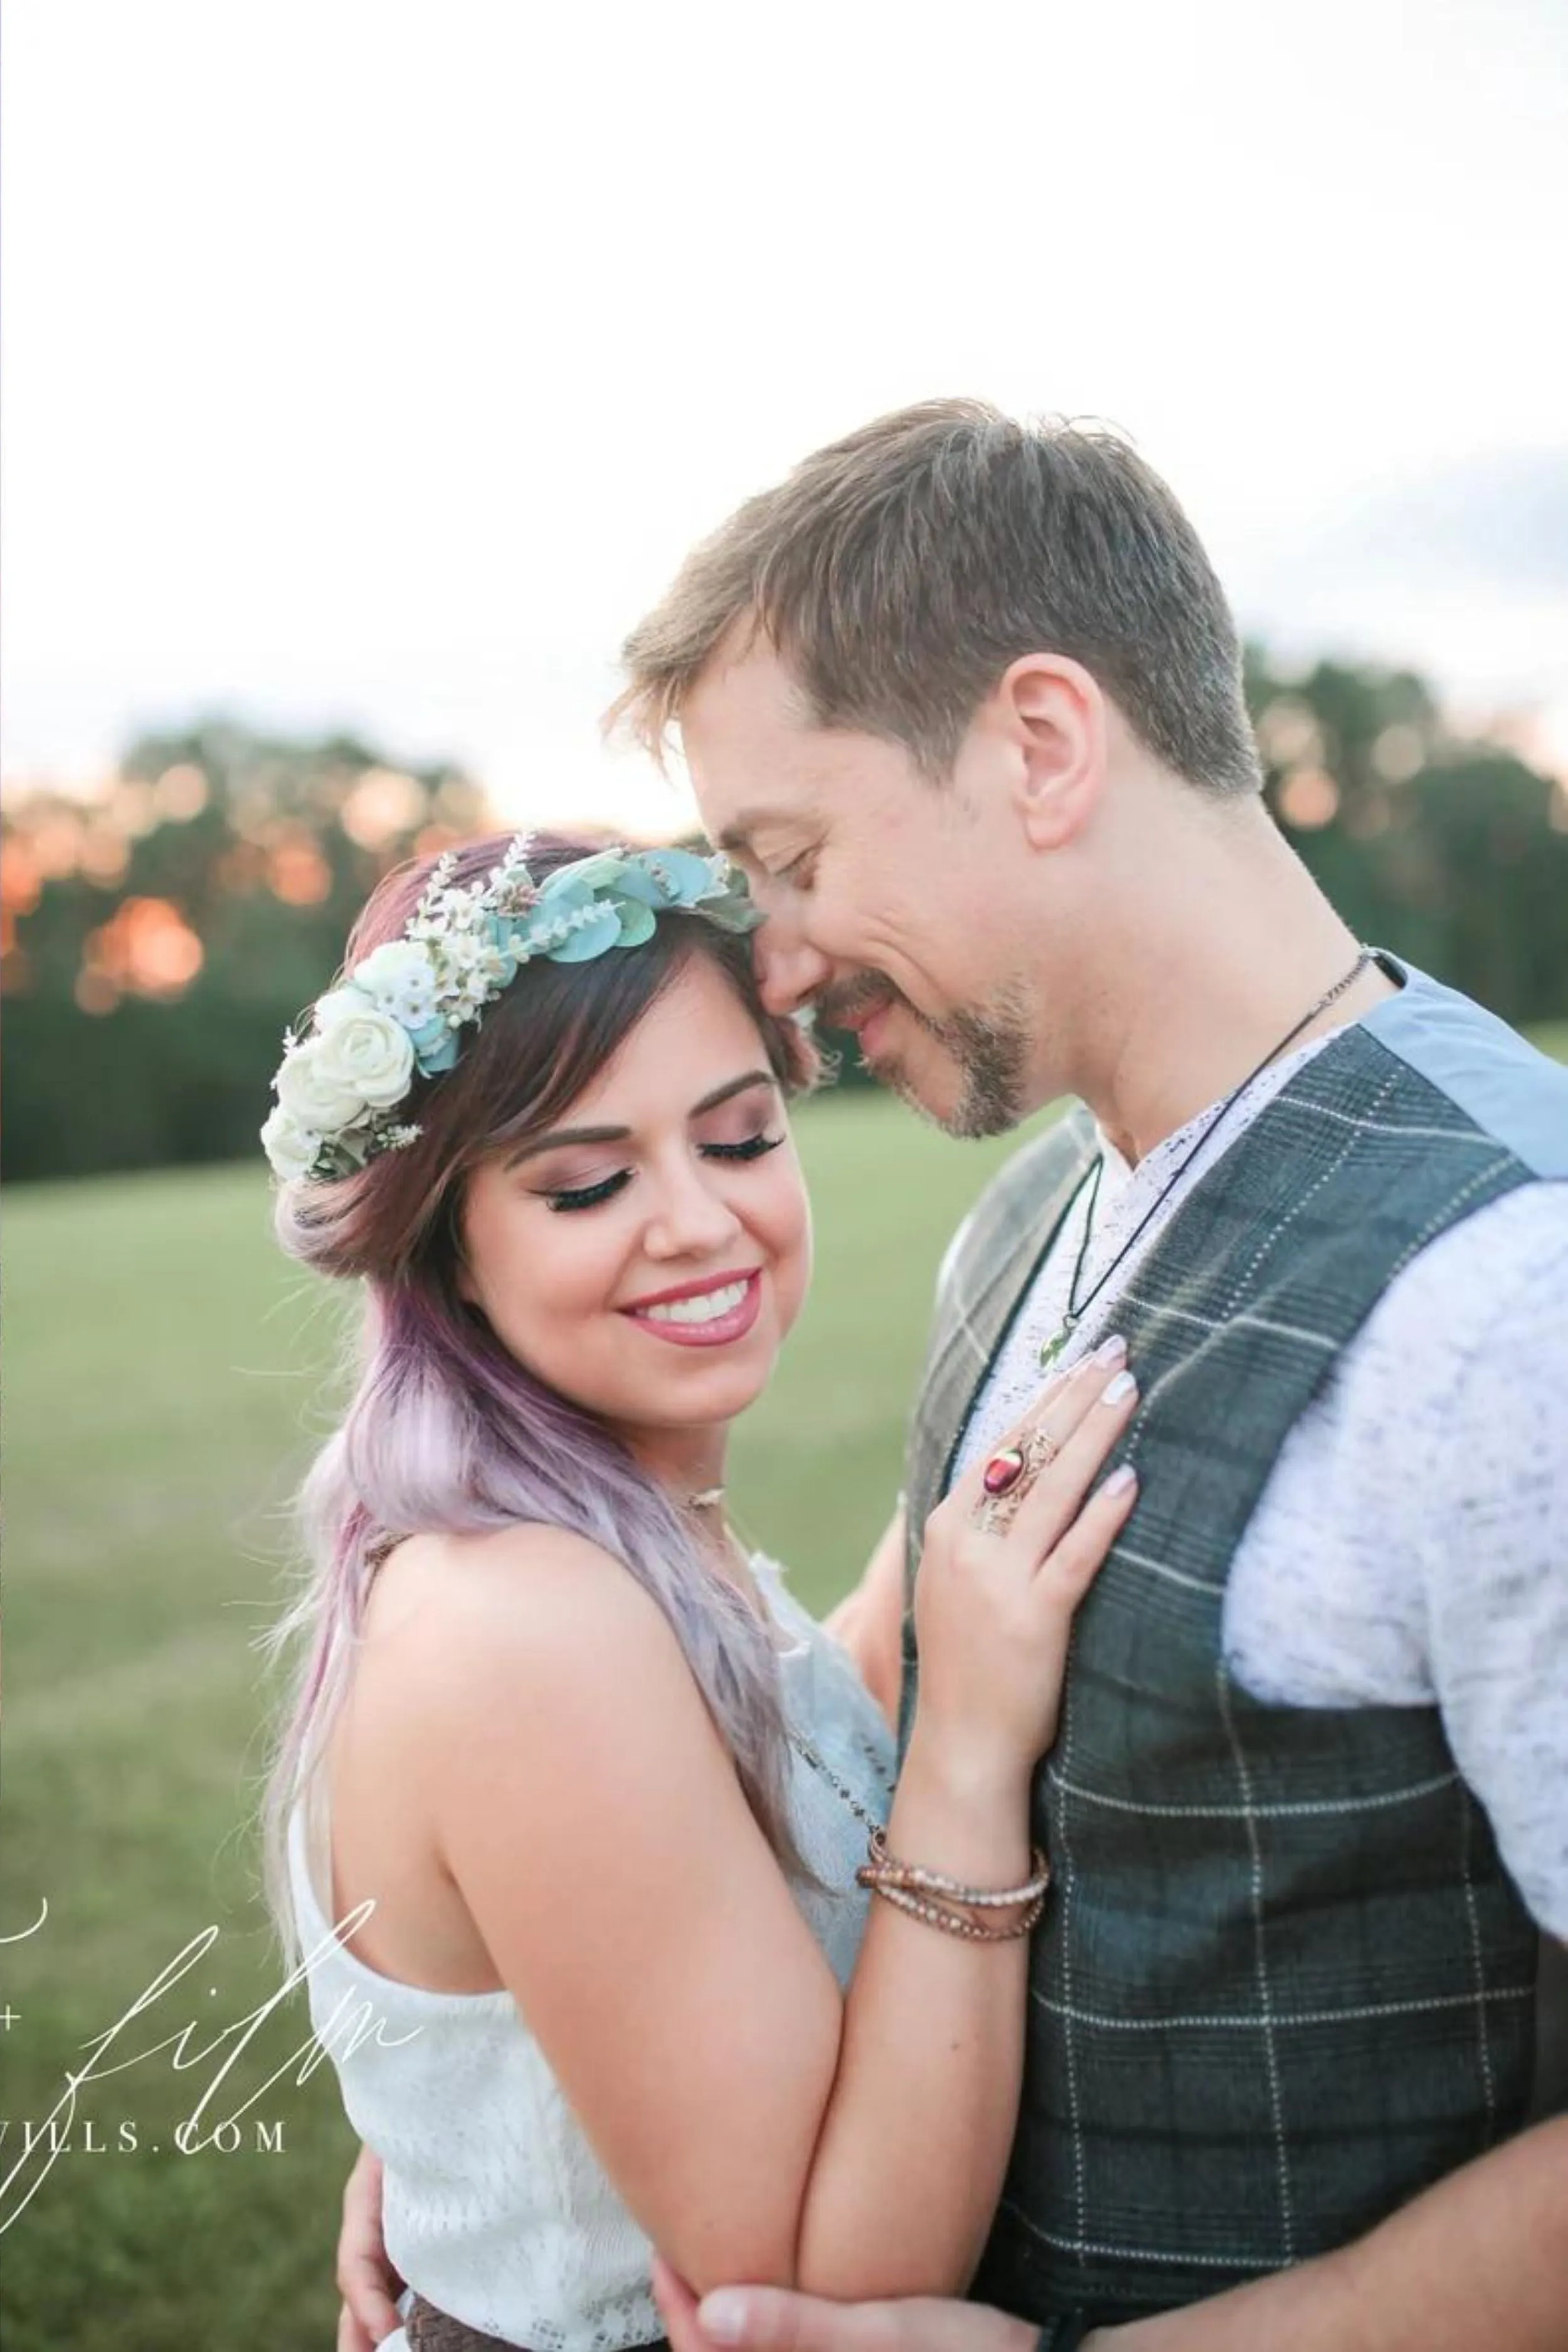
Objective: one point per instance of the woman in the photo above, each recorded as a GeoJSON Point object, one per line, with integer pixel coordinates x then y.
{"type": "Point", "coordinates": [582, 1787]}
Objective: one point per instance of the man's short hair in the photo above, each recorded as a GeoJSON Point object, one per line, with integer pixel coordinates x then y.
{"type": "Point", "coordinates": [900, 571]}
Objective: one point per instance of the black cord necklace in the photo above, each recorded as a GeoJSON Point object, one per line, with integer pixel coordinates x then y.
{"type": "Point", "coordinates": [1078, 1308]}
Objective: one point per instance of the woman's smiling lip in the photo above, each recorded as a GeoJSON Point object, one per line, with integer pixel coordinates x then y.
{"type": "Point", "coordinates": [690, 1289]}
{"type": "Point", "coordinates": [731, 1322]}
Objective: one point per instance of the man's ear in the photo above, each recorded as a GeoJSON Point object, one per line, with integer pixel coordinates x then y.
{"type": "Point", "coordinates": [1053, 714]}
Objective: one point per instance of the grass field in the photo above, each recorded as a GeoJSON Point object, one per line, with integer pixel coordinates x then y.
{"type": "Point", "coordinates": [166, 1375]}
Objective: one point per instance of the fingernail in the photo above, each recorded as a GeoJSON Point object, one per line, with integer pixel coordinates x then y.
{"type": "Point", "coordinates": [722, 2315]}
{"type": "Point", "coordinates": [1121, 1389]}
{"type": "Point", "coordinates": [1112, 1350]}
{"type": "Point", "coordinates": [1120, 1480]}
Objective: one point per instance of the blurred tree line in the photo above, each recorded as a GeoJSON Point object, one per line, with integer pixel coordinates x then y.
{"type": "Point", "coordinates": [156, 942]}
{"type": "Point", "coordinates": [1450, 851]}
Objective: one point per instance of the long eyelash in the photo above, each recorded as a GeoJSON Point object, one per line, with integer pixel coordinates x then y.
{"type": "Point", "coordinates": [591, 1194]}
{"type": "Point", "coordinates": [753, 1148]}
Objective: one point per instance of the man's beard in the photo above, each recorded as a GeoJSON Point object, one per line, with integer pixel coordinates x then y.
{"type": "Point", "coordinates": [990, 1050]}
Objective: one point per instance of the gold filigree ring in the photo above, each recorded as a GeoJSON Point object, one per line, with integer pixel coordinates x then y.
{"type": "Point", "coordinates": [1008, 1476]}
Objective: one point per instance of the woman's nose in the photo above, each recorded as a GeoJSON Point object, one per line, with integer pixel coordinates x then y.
{"type": "Point", "coordinates": [691, 1217]}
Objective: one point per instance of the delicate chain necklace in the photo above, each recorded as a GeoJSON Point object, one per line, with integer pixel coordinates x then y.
{"type": "Point", "coordinates": [803, 1748]}
{"type": "Point", "coordinates": [1077, 1309]}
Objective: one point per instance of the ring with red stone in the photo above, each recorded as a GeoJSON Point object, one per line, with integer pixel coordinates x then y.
{"type": "Point", "coordinates": [1008, 1476]}
{"type": "Point", "coordinates": [1004, 1470]}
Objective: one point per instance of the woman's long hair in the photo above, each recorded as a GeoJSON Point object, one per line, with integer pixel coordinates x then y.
{"type": "Point", "coordinates": [447, 1432]}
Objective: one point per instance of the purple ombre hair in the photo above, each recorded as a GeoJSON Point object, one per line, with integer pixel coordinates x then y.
{"type": "Point", "coordinates": [447, 1432]}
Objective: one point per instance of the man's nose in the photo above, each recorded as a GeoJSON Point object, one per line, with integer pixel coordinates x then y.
{"type": "Point", "coordinates": [790, 970]}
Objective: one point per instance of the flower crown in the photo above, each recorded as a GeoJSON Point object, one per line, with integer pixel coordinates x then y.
{"type": "Point", "coordinates": [396, 1017]}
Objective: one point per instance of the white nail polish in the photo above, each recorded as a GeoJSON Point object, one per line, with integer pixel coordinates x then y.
{"type": "Point", "coordinates": [1120, 1480]}
{"type": "Point", "coordinates": [1112, 1350]}
{"type": "Point", "coordinates": [722, 2315]}
{"type": "Point", "coordinates": [1121, 1389]}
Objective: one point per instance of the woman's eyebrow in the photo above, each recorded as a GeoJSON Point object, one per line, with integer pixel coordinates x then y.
{"type": "Point", "coordinates": [564, 1135]}
{"type": "Point", "coordinates": [733, 1086]}
{"type": "Point", "coordinates": [561, 1136]}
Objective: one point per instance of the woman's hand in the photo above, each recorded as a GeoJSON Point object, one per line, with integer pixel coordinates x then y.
{"type": "Point", "coordinates": [994, 1603]}
{"type": "Point", "coordinates": [367, 2280]}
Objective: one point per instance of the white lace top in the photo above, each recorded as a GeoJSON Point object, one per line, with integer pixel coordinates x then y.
{"type": "Point", "coordinates": [497, 2210]}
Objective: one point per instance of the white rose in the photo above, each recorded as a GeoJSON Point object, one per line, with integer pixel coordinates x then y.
{"type": "Point", "coordinates": [399, 978]}
{"type": "Point", "coordinates": [341, 1004]}
{"type": "Point", "coordinates": [369, 1056]}
{"type": "Point", "coordinates": [291, 1147]}
{"type": "Point", "coordinates": [316, 1096]}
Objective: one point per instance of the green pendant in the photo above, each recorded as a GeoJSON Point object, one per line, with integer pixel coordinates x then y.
{"type": "Point", "coordinates": [1053, 1348]}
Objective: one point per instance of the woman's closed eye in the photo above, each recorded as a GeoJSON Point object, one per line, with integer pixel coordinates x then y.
{"type": "Point", "coordinates": [588, 1196]}
{"type": "Point", "coordinates": [751, 1148]}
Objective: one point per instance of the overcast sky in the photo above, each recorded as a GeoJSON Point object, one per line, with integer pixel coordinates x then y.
{"type": "Point", "coordinates": [375, 364]}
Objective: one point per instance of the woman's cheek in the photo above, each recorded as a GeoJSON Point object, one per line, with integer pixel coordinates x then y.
{"type": "Point", "coordinates": [793, 1250]}
{"type": "Point", "coordinates": [552, 1286]}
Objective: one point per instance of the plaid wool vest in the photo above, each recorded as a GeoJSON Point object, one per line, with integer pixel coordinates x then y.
{"type": "Point", "coordinates": [1283, 1982]}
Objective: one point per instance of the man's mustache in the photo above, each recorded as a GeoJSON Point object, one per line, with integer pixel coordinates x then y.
{"type": "Point", "coordinates": [846, 1001]}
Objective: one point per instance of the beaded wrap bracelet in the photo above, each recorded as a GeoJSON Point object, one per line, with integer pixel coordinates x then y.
{"type": "Point", "coordinates": [953, 1921]}
{"type": "Point", "coordinates": [932, 1896]}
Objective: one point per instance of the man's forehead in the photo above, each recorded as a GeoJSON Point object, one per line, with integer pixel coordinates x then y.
{"type": "Point", "coordinates": [752, 751]}
{"type": "Point", "coordinates": [748, 679]}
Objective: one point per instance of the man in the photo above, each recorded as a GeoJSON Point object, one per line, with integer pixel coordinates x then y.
{"type": "Point", "coordinates": [963, 697]}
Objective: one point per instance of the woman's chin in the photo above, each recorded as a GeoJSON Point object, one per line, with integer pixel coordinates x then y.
{"type": "Point", "coordinates": [715, 1393]}
{"type": "Point", "coordinates": [700, 1389]}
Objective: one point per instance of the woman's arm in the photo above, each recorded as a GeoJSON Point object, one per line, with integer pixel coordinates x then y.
{"type": "Point", "coordinates": [592, 1819]}
{"type": "Point", "coordinates": [869, 1621]}
{"type": "Point", "coordinates": [758, 2127]}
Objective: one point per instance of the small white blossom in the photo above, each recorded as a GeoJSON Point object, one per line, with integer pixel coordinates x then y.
{"type": "Point", "coordinates": [399, 978]}
{"type": "Point", "coordinates": [444, 914]}
{"type": "Point", "coordinates": [472, 969]}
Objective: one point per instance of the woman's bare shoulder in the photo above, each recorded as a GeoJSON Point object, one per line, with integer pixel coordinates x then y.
{"type": "Point", "coordinates": [530, 1600]}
